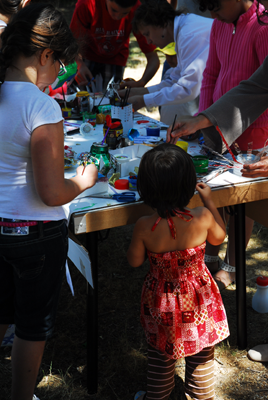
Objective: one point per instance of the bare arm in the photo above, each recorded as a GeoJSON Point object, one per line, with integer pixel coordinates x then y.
{"type": "Point", "coordinates": [173, 3]}
{"type": "Point", "coordinates": [150, 70]}
{"type": "Point", "coordinates": [83, 75]}
{"type": "Point", "coordinates": [136, 253]}
{"type": "Point", "coordinates": [216, 228]}
{"type": "Point", "coordinates": [47, 151]}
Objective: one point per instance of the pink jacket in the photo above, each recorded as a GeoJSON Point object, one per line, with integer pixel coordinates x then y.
{"type": "Point", "coordinates": [234, 54]}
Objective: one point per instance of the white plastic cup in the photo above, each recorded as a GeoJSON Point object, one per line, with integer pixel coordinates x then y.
{"type": "Point", "coordinates": [243, 159]}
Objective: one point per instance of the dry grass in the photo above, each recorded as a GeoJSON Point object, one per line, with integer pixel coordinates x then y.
{"type": "Point", "coordinates": [122, 347]}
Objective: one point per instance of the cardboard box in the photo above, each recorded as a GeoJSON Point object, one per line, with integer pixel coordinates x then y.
{"type": "Point", "coordinates": [134, 153]}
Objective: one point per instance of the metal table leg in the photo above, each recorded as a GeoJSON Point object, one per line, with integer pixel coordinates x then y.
{"type": "Point", "coordinates": [240, 262]}
{"type": "Point", "coordinates": [92, 315]}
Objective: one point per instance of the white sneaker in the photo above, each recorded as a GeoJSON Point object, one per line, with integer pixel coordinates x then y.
{"type": "Point", "coordinates": [35, 397]}
{"type": "Point", "coordinates": [259, 353]}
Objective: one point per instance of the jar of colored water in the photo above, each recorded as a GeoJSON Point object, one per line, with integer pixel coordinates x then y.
{"type": "Point", "coordinates": [200, 164]}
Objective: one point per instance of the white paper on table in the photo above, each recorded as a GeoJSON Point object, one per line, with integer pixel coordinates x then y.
{"type": "Point", "coordinates": [80, 257]}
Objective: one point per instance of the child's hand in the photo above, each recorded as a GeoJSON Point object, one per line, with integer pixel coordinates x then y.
{"type": "Point", "coordinates": [204, 191]}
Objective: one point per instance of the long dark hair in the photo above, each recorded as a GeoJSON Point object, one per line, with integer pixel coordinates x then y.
{"type": "Point", "coordinates": [166, 179]}
{"type": "Point", "coordinates": [10, 7]}
{"type": "Point", "coordinates": [33, 29]}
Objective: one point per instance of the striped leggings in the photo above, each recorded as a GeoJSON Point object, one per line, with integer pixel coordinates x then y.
{"type": "Point", "coordinates": [199, 375]}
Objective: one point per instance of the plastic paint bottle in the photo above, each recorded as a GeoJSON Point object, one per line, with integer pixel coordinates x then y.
{"type": "Point", "coordinates": [260, 298]}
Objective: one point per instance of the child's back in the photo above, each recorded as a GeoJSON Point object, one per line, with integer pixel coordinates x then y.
{"type": "Point", "coordinates": [182, 310]}
{"type": "Point", "coordinates": [182, 313]}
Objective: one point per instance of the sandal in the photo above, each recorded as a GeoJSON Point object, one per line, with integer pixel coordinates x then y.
{"type": "Point", "coordinates": [228, 268]}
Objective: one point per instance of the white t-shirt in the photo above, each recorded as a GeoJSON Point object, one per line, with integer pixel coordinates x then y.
{"type": "Point", "coordinates": [191, 34]}
{"type": "Point", "coordinates": [23, 108]}
{"type": "Point", "coordinates": [2, 24]}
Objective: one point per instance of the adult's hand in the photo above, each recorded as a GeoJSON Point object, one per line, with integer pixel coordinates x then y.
{"type": "Point", "coordinates": [83, 75]}
{"type": "Point", "coordinates": [185, 126]}
{"type": "Point", "coordinates": [257, 170]}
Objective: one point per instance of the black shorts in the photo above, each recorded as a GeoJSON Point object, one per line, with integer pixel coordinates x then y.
{"type": "Point", "coordinates": [31, 272]}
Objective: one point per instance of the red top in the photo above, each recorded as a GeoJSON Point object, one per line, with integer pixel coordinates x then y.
{"type": "Point", "coordinates": [262, 281]}
{"type": "Point", "coordinates": [234, 54]}
{"type": "Point", "coordinates": [104, 39]}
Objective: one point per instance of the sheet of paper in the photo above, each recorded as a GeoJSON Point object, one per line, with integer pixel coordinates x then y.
{"type": "Point", "coordinates": [80, 257]}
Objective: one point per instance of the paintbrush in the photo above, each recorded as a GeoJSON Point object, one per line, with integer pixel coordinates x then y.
{"type": "Point", "coordinates": [63, 94]}
{"type": "Point", "coordinates": [85, 158]}
{"type": "Point", "coordinates": [217, 154]}
{"type": "Point", "coordinates": [173, 123]}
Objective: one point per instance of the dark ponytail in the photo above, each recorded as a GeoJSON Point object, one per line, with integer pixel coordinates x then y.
{"type": "Point", "coordinates": [10, 7]}
{"type": "Point", "coordinates": [33, 29]}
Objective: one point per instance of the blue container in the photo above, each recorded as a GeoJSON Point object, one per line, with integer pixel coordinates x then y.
{"type": "Point", "coordinates": [132, 182]}
{"type": "Point", "coordinates": [153, 130]}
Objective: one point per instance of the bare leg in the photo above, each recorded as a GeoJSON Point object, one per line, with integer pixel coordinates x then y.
{"type": "Point", "coordinates": [228, 277]}
{"type": "Point", "coordinates": [26, 359]}
{"type": "Point", "coordinates": [3, 329]}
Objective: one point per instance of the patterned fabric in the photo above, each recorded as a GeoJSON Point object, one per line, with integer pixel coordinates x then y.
{"type": "Point", "coordinates": [181, 307]}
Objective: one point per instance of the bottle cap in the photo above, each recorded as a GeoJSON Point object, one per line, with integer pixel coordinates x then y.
{"type": "Point", "coordinates": [121, 184]}
{"type": "Point", "coordinates": [262, 280]}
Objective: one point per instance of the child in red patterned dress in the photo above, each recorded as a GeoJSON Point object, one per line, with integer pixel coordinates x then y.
{"type": "Point", "coordinates": [181, 307]}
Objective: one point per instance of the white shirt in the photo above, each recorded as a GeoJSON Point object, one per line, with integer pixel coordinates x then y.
{"type": "Point", "coordinates": [23, 108]}
{"type": "Point", "coordinates": [192, 33]}
{"type": "Point", "coordinates": [2, 24]}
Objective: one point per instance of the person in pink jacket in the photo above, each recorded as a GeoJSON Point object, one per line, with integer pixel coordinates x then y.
{"type": "Point", "coordinates": [238, 46]}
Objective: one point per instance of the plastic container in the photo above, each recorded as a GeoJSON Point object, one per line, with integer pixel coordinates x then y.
{"type": "Point", "coordinates": [260, 298]}
{"type": "Point", "coordinates": [200, 164]}
{"type": "Point", "coordinates": [121, 158]}
{"type": "Point", "coordinates": [66, 112]}
{"type": "Point", "coordinates": [82, 102]}
{"type": "Point", "coordinates": [114, 135]}
{"type": "Point", "coordinates": [153, 130]}
{"type": "Point", "coordinates": [132, 182]}
{"type": "Point", "coordinates": [121, 184]}
{"type": "Point", "coordinates": [183, 145]}
{"type": "Point", "coordinates": [243, 159]}
{"type": "Point", "coordinates": [85, 129]}
{"type": "Point", "coordinates": [91, 118]}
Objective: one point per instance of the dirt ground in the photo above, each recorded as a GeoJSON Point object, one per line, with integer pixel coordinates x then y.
{"type": "Point", "coordinates": [122, 347]}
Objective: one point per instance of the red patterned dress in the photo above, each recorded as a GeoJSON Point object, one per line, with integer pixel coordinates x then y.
{"type": "Point", "coordinates": [181, 307]}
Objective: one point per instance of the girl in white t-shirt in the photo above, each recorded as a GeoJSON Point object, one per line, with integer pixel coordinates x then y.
{"type": "Point", "coordinates": [33, 231]}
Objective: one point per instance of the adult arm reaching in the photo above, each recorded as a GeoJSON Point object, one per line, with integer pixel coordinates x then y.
{"type": "Point", "coordinates": [149, 72]}
{"type": "Point", "coordinates": [186, 126]}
